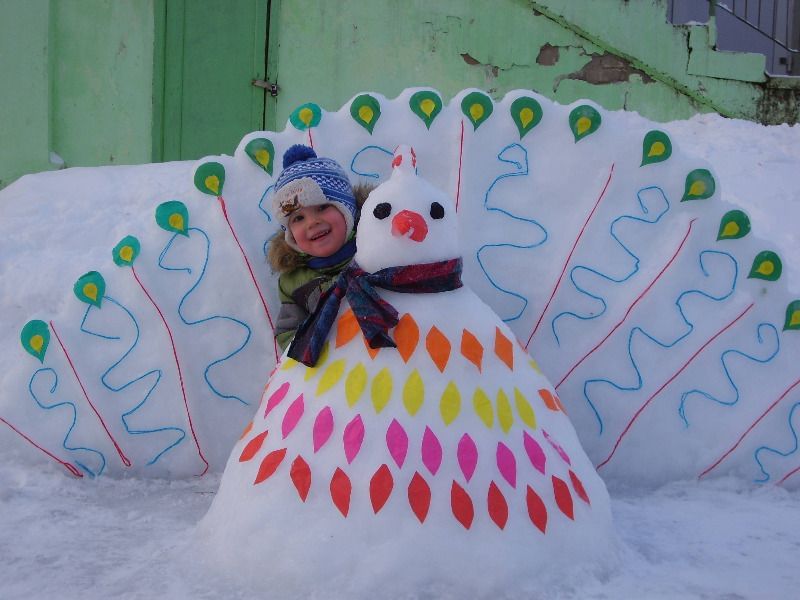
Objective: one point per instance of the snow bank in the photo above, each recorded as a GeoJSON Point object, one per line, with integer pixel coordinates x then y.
{"type": "Point", "coordinates": [670, 360]}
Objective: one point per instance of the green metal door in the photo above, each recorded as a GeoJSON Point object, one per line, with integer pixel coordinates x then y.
{"type": "Point", "coordinates": [204, 97]}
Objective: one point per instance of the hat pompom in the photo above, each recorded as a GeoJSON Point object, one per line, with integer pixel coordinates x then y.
{"type": "Point", "coordinates": [296, 153]}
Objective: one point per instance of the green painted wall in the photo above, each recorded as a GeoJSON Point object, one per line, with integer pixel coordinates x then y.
{"type": "Point", "coordinates": [680, 57]}
{"type": "Point", "coordinates": [619, 53]}
{"type": "Point", "coordinates": [102, 74]}
{"type": "Point", "coordinates": [128, 81]}
{"type": "Point", "coordinates": [77, 85]}
{"type": "Point", "coordinates": [388, 45]}
{"type": "Point", "coordinates": [24, 94]}
{"type": "Point", "coordinates": [102, 82]}
{"type": "Point", "coordinates": [212, 52]}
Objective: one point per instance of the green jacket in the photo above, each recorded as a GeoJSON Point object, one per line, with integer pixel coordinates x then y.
{"type": "Point", "coordinates": [299, 291]}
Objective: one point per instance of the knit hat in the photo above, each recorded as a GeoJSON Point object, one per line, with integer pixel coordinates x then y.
{"type": "Point", "coordinates": [307, 180]}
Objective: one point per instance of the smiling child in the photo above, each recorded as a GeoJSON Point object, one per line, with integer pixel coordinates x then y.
{"type": "Point", "coordinates": [317, 209]}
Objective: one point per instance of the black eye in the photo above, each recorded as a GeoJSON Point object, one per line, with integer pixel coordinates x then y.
{"type": "Point", "coordinates": [382, 210]}
{"type": "Point", "coordinates": [437, 210]}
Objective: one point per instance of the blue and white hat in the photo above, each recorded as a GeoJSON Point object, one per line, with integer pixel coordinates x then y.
{"type": "Point", "coordinates": [307, 180]}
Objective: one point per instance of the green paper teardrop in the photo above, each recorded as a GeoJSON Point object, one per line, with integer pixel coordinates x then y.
{"type": "Point", "coordinates": [792, 321]}
{"type": "Point", "coordinates": [766, 265]}
{"type": "Point", "coordinates": [477, 107]}
{"type": "Point", "coordinates": [584, 120]}
{"type": "Point", "coordinates": [90, 288]}
{"type": "Point", "coordinates": [699, 185]}
{"type": "Point", "coordinates": [734, 224]}
{"type": "Point", "coordinates": [209, 178]}
{"type": "Point", "coordinates": [173, 216]}
{"type": "Point", "coordinates": [35, 337]}
{"type": "Point", "coordinates": [126, 251]}
{"type": "Point", "coordinates": [262, 152]}
{"type": "Point", "coordinates": [306, 116]}
{"type": "Point", "coordinates": [426, 105]}
{"type": "Point", "coordinates": [366, 111]}
{"type": "Point", "coordinates": [527, 113]}
{"type": "Point", "coordinates": [656, 147]}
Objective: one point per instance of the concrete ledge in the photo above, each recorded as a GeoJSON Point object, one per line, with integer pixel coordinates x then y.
{"type": "Point", "coordinates": [783, 83]}
{"type": "Point", "coordinates": [705, 61]}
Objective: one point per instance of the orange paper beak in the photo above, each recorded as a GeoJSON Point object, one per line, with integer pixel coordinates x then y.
{"type": "Point", "coordinates": [407, 220]}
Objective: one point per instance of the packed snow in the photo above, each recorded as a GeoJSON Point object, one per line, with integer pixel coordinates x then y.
{"type": "Point", "coordinates": [134, 536]}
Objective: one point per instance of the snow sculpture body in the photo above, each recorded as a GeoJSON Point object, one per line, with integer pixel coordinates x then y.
{"type": "Point", "coordinates": [436, 461]}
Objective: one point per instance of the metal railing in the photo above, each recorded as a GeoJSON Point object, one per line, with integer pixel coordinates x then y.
{"type": "Point", "coordinates": [771, 27]}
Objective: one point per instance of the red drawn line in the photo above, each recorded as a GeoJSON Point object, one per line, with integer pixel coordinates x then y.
{"type": "Point", "coordinates": [631, 307]}
{"type": "Point", "coordinates": [178, 365]}
{"type": "Point", "coordinates": [789, 474]}
{"type": "Point", "coordinates": [123, 458]}
{"type": "Point", "coordinates": [310, 139]}
{"type": "Point", "coordinates": [69, 467]}
{"type": "Point", "coordinates": [749, 429]}
{"type": "Point", "coordinates": [252, 275]}
{"type": "Point", "coordinates": [670, 380]}
{"type": "Point", "coordinates": [569, 257]}
{"type": "Point", "coordinates": [460, 158]}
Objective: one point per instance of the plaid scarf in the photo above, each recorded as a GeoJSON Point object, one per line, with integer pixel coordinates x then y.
{"type": "Point", "coordinates": [375, 316]}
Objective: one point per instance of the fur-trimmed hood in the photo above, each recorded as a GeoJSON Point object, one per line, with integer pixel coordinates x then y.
{"type": "Point", "coordinates": [283, 258]}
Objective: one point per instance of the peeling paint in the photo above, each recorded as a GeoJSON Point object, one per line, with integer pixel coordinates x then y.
{"type": "Point", "coordinates": [492, 70]}
{"type": "Point", "coordinates": [548, 55]}
{"type": "Point", "coordinates": [607, 68]}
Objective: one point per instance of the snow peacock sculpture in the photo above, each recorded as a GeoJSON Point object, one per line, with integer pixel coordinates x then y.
{"type": "Point", "coordinates": [451, 444]}
{"type": "Point", "coordinates": [386, 451]}
{"type": "Point", "coordinates": [657, 309]}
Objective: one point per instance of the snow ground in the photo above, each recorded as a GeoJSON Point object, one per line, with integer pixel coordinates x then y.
{"type": "Point", "coordinates": [724, 538]}
{"type": "Point", "coordinates": [132, 538]}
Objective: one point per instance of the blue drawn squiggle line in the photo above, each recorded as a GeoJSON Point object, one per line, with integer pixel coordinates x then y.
{"type": "Point", "coordinates": [663, 344]}
{"type": "Point", "coordinates": [261, 202]}
{"type": "Point", "coordinates": [71, 405]}
{"type": "Point", "coordinates": [758, 450]}
{"type": "Point", "coordinates": [157, 372]}
{"type": "Point", "coordinates": [364, 149]}
{"type": "Point", "coordinates": [205, 319]}
{"type": "Point", "coordinates": [636, 259]}
{"type": "Point", "coordinates": [686, 395]}
{"type": "Point", "coordinates": [266, 212]}
{"type": "Point", "coordinates": [520, 170]}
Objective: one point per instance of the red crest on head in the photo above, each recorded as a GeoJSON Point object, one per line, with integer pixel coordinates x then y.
{"type": "Point", "coordinates": [405, 158]}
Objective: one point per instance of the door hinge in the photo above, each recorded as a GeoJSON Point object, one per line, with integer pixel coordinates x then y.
{"type": "Point", "coordinates": [271, 87]}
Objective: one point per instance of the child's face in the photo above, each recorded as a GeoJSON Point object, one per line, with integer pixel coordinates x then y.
{"type": "Point", "coordinates": [318, 230]}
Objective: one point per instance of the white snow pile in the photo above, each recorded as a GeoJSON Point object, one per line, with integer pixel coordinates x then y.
{"type": "Point", "coordinates": [647, 268]}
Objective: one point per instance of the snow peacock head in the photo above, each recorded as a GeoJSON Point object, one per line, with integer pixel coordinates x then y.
{"type": "Point", "coordinates": [406, 220]}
